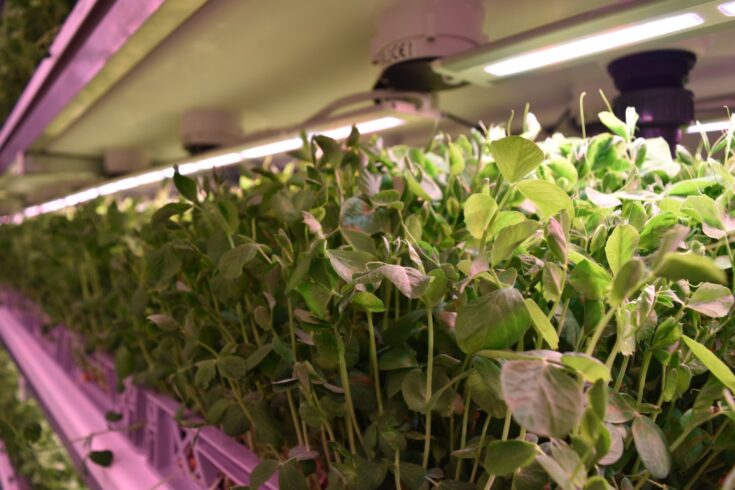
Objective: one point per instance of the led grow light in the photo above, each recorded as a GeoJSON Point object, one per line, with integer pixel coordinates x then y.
{"type": "Point", "coordinates": [727, 9]}
{"type": "Point", "coordinates": [711, 126]}
{"type": "Point", "coordinates": [383, 116]}
{"type": "Point", "coordinates": [617, 27]}
{"type": "Point", "coordinates": [606, 41]}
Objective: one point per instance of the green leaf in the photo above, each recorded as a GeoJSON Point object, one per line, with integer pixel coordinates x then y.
{"type": "Point", "coordinates": [614, 124]}
{"type": "Point", "coordinates": [315, 296]}
{"type": "Point", "coordinates": [415, 396]}
{"type": "Point", "coordinates": [597, 396]}
{"type": "Point", "coordinates": [358, 215]}
{"type": "Point", "coordinates": [205, 373]}
{"type": "Point", "coordinates": [394, 358]}
{"type": "Point", "coordinates": [112, 416]}
{"type": "Point", "coordinates": [704, 210]}
{"type": "Point", "coordinates": [516, 157]}
{"type": "Point", "coordinates": [168, 210]}
{"type": "Point", "coordinates": [654, 231]}
{"type": "Point", "coordinates": [712, 300]}
{"type": "Point", "coordinates": [437, 287]}
{"type": "Point", "coordinates": [556, 239]}
{"type": "Point", "coordinates": [388, 197]}
{"type": "Point", "coordinates": [346, 263]}
{"type": "Point", "coordinates": [692, 186]}
{"type": "Point", "coordinates": [652, 447]}
{"type": "Point", "coordinates": [369, 302]}
{"type": "Point", "coordinates": [602, 200]}
{"type": "Point", "coordinates": [541, 397]}
{"type": "Point", "coordinates": [590, 279]}
{"type": "Point", "coordinates": [234, 422]}
{"type": "Point", "coordinates": [510, 238]}
{"type": "Point", "coordinates": [555, 471]}
{"type": "Point", "coordinates": [713, 363]}
{"type": "Point", "coordinates": [124, 362]}
{"type": "Point", "coordinates": [496, 320]}
{"type": "Point", "coordinates": [694, 268]}
{"type": "Point", "coordinates": [231, 262]}
{"type": "Point", "coordinates": [484, 384]}
{"type": "Point", "coordinates": [628, 279]}
{"type": "Point", "coordinates": [164, 322]}
{"type": "Point", "coordinates": [479, 210]}
{"type": "Point", "coordinates": [232, 366]}
{"type": "Point", "coordinates": [101, 458]}
{"type": "Point", "coordinates": [32, 432]}
{"type": "Point", "coordinates": [258, 356]}
{"type": "Point", "coordinates": [410, 282]}
{"type": "Point", "coordinates": [456, 159]}
{"type": "Point", "coordinates": [541, 323]}
{"type": "Point", "coordinates": [548, 198]}
{"type": "Point", "coordinates": [291, 477]}
{"type": "Point", "coordinates": [262, 473]}
{"type": "Point", "coordinates": [331, 149]}
{"type": "Point", "coordinates": [597, 483]}
{"type": "Point", "coordinates": [504, 457]}
{"type": "Point", "coordinates": [658, 159]}
{"type": "Point", "coordinates": [621, 246]}
{"type": "Point", "coordinates": [187, 187]}
{"type": "Point", "coordinates": [589, 367]}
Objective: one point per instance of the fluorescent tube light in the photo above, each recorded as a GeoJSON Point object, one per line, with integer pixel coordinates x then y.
{"type": "Point", "coordinates": [585, 46]}
{"type": "Point", "coordinates": [365, 128]}
{"type": "Point", "coordinates": [711, 126]}
{"type": "Point", "coordinates": [727, 8]}
{"type": "Point", "coordinates": [340, 128]}
{"type": "Point", "coordinates": [268, 149]}
{"type": "Point", "coordinates": [619, 28]}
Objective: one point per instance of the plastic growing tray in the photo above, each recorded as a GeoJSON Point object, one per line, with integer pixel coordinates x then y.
{"type": "Point", "coordinates": [151, 447]}
{"type": "Point", "coordinates": [8, 478]}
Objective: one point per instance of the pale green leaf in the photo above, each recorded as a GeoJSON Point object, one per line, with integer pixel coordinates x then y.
{"type": "Point", "coordinates": [516, 157]}
{"type": "Point", "coordinates": [479, 209]}
{"type": "Point", "coordinates": [548, 198]}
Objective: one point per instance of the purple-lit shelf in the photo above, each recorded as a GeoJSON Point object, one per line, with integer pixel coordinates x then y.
{"type": "Point", "coordinates": [151, 449]}
{"type": "Point", "coordinates": [8, 478]}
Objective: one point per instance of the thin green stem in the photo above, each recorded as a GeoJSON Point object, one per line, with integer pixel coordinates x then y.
{"type": "Point", "coordinates": [644, 372]}
{"type": "Point", "coordinates": [345, 379]}
{"type": "Point", "coordinates": [480, 447]}
{"type": "Point", "coordinates": [621, 374]}
{"type": "Point", "coordinates": [599, 328]}
{"type": "Point", "coordinates": [294, 418]}
{"type": "Point", "coordinates": [397, 472]}
{"type": "Point", "coordinates": [700, 471]}
{"type": "Point", "coordinates": [506, 425]}
{"type": "Point", "coordinates": [429, 380]}
{"type": "Point", "coordinates": [463, 432]}
{"type": "Point", "coordinates": [374, 363]}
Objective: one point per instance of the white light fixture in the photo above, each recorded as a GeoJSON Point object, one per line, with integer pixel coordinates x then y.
{"type": "Point", "coordinates": [619, 27]}
{"type": "Point", "coordinates": [380, 117]}
{"type": "Point", "coordinates": [711, 126]}
{"type": "Point", "coordinates": [598, 43]}
{"type": "Point", "coordinates": [727, 8]}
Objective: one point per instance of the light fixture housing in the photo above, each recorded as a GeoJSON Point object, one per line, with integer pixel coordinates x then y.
{"type": "Point", "coordinates": [618, 28]}
{"type": "Point", "coordinates": [727, 9]}
{"type": "Point", "coordinates": [712, 126]}
{"type": "Point", "coordinates": [388, 113]}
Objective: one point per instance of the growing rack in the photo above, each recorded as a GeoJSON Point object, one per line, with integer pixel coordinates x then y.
{"type": "Point", "coordinates": [151, 448]}
{"type": "Point", "coordinates": [8, 478]}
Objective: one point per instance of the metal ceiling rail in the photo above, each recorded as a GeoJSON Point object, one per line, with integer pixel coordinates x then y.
{"type": "Point", "coordinates": [92, 34]}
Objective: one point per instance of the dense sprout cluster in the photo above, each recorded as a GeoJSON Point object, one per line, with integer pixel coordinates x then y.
{"type": "Point", "coordinates": [27, 29]}
{"type": "Point", "coordinates": [488, 312]}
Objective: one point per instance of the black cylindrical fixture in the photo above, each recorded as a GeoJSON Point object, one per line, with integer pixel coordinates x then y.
{"type": "Point", "coordinates": [653, 82]}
